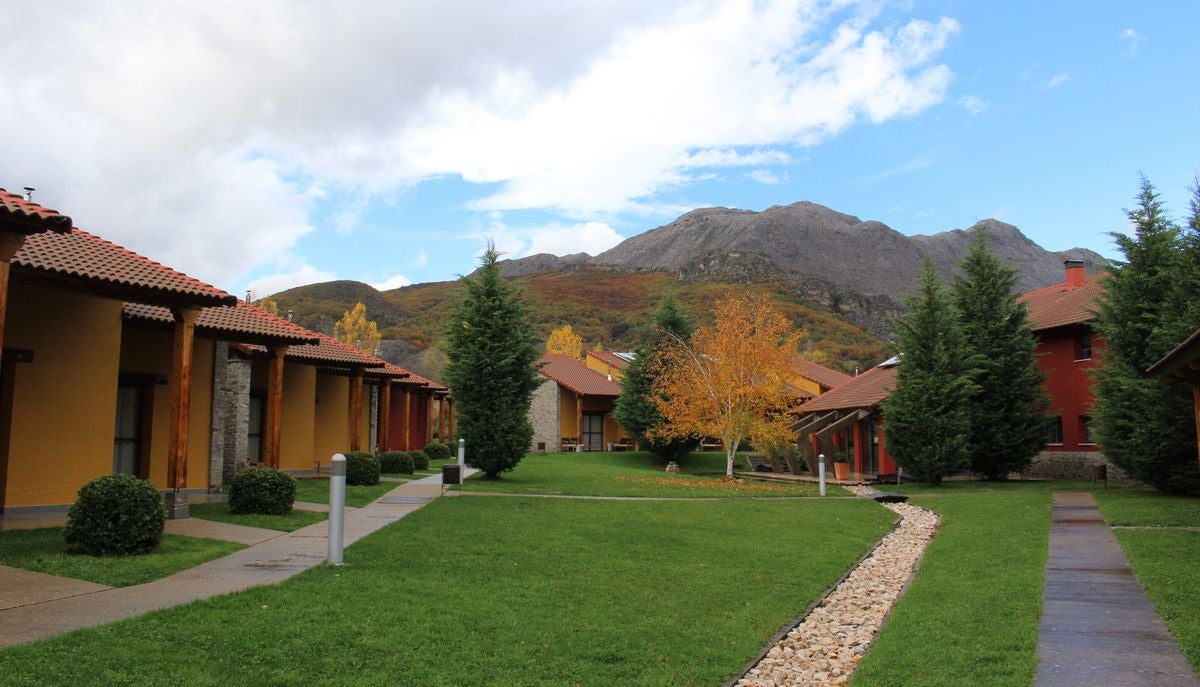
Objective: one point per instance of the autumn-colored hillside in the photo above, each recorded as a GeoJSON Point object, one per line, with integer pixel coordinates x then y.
{"type": "Point", "coordinates": [611, 308]}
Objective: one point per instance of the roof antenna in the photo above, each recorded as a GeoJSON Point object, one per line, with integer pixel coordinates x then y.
{"type": "Point", "coordinates": [29, 193]}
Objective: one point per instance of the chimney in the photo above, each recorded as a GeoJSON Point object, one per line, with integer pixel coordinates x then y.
{"type": "Point", "coordinates": [1075, 275]}
{"type": "Point", "coordinates": [249, 293]}
{"type": "Point", "coordinates": [29, 193]}
{"type": "Point", "coordinates": [290, 314]}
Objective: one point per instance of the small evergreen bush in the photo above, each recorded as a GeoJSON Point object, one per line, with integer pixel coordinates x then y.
{"type": "Point", "coordinates": [437, 451]}
{"type": "Point", "coordinates": [362, 468]}
{"type": "Point", "coordinates": [395, 462]}
{"type": "Point", "coordinates": [262, 490]}
{"type": "Point", "coordinates": [116, 514]}
{"type": "Point", "coordinates": [420, 460]}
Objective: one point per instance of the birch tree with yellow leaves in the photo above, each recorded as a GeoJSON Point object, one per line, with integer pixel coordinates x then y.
{"type": "Point", "coordinates": [729, 381]}
{"type": "Point", "coordinates": [564, 340]}
{"type": "Point", "coordinates": [355, 329]}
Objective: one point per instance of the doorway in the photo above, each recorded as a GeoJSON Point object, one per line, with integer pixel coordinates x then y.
{"type": "Point", "coordinates": [593, 432]}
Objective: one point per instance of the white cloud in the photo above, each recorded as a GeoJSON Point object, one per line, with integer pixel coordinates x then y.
{"type": "Point", "coordinates": [421, 260]}
{"type": "Point", "coordinates": [1058, 80]}
{"type": "Point", "coordinates": [281, 281]}
{"type": "Point", "coordinates": [767, 176]}
{"type": "Point", "coordinates": [207, 135]}
{"type": "Point", "coordinates": [1132, 39]}
{"type": "Point", "coordinates": [914, 165]}
{"type": "Point", "coordinates": [592, 238]}
{"type": "Point", "coordinates": [972, 103]}
{"type": "Point", "coordinates": [393, 282]}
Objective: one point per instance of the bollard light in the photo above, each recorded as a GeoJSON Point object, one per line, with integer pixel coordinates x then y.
{"type": "Point", "coordinates": [821, 472]}
{"type": "Point", "coordinates": [337, 508]}
{"type": "Point", "coordinates": [462, 453]}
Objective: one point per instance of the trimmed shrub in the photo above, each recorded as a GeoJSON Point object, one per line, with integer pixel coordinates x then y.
{"type": "Point", "coordinates": [262, 490]}
{"type": "Point", "coordinates": [362, 468]}
{"type": "Point", "coordinates": [420, 460]}
{"type": "Point", "coordinates": [395, 462]}
{"type": "Point", "coordinates": [116, 514]}
{"type": "Point", "coordinates": [437, 451]}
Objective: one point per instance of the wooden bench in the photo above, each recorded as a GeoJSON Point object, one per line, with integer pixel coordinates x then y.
{"type": "Point", "coordinates": [710, 444]}
{"type": "Point", "coordinates": [624, 444]}
{"type": "Point", "coordinates": [760, 463]}
{"type": "Point", "coordinates": [569, 444]}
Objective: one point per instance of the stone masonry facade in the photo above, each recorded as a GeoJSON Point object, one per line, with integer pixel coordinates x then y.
{"type": "Point", "coordinates": [544, 416]}
{"type": "Point", "coordinates": [1072, 465]}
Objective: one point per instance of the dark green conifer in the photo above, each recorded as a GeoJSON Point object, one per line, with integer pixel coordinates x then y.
{"type": "Point", "coordinates": [1007, 409]}
{"type": "Point", "coordinates": [492, 351]}
{"type": "Point", "coordinates": [926, 415]}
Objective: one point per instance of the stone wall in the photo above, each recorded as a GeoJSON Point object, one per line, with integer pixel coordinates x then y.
{"type": "Point", "coordinates": [1072, 465]}
{"type": "Point", "coordinates": [543, 415]}
{"type": "Point", "coordinates": [233, 398]}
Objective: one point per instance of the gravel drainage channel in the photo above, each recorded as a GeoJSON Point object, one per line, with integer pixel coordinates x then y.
{"type": "Point", "coordinates": [828, 641]}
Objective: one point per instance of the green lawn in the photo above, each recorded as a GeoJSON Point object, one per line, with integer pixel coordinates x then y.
{"type": "Point", "coordinates": [630, 474]}
{"type": "Point", "coordinates": [284, 523]}
{"type": "Point", "coordinates": [971, 615]}
{"type": "Point", "coordinates": [43, 550]}
{"type": "Point", "coordinates": [1148, 508]}
{"type": "Point", "coordinates": [317, 491]}
{"type": "Point", "coordinates": [505, 591]}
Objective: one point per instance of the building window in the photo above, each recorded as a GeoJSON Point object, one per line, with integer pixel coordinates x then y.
{"type": "Point", "coordinates": [1055, 431]}
{"type": "Point", "coordinates": [1085, 429]}
{"type": "Point", "coordinates": [258, 402]}
{"type": "Point", "coordinates": [127, 439]}
{"type": "Point", "coordinates": [1083, 344]}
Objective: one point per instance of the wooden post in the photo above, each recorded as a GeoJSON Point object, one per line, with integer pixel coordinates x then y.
{"type": "Point", "coordinates": [181, 400]}
{"type": "Point", "coordinates": [451, 402]}
{"type": "Point", "coordinates": [10, 243]}
{"type": "Point", "coordinates": [406, 421]}
{"type": "Point", "coordinates": [356, 391]}
{"type": "Point", "coordinates": [385, 414]}
{"type": "Point", "coordinates": [273, 427]}
{"type": "Point", "coordinates": [578, 423]}
{"type": "Point", "coordinates": [428, 419]}
{"type": "Point", "coordinates": [444, 420]}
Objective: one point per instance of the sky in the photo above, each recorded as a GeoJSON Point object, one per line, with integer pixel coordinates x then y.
{"type": "Point", "coordinates": [275, 143]}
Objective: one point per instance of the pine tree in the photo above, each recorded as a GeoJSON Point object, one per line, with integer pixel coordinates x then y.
{"type": "Point", "coordinates": [634, 409]}
{"type": "Point", "coordinates": [926, 415]}
{"type": "Point", "coordinates": [492, 352]}
{"type": "Point", "coordinates": [1007, 410]}
{"type": "Point", "coordinates": [1149, 306]}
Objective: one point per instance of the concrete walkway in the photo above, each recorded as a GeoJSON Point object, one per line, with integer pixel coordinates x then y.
{"type": "Point", "coordinates": [1098, 627]}
{"type": "Point", "coordinates": [35, 606]}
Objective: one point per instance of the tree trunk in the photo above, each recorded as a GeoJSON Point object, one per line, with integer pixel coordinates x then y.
{"type": "Point", "coordinates": [730, 453]}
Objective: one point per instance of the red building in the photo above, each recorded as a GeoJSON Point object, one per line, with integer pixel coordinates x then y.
{"type": "Point", "coordinates": [1068, 349]}
{"type": "Point", "coordinates": [846, 424]}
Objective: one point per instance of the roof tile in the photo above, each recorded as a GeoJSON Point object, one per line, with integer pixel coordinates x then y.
{"type": "Point", "coordinates": [1058, 306]}
{"type": "Point", "coordinates": [577, 376]}
{"type": "Point", "coordinates": [232, 321]}
{"type": "Point", "coordinates": [85, 257]}
{"type": "Point", "coordinates": [820, 374]}
{"type": "Point", "coordinates": [611, 358]}
{"type": "Point", "coordinates": [864, 391]}
{"type": "Point", "coordinates": [28, 217]}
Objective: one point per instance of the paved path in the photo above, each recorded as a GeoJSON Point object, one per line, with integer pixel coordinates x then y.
{"type": "Point", "coordinates": [36, 606]}
{"type": "Point", "coordinates": [1098, 628]}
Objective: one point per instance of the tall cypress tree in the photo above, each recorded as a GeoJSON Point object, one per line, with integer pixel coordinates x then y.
{"type": "Point", "coordinates": [634, 410]}
{"type": "Point", "coordinates": [1149, 306]}
{"type": "Point", "coordinates": [926, 415]}
{"type": "Point", "coordinates": [1007, 410]}
{"type": "Point", "coordinates": [492, 349]}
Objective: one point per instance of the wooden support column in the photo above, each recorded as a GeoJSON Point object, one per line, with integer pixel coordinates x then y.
{"type": "Point", "coordinates": [578, 423]}
{"type": "Point", "coordinates": [10, 243]}
{"type": "Point", "coordinates": [444, 420]}
{"type": "Point", "coordinates": [273, 413]}
{"type": "Point", "coordinates": [356, 392]}
{"type": "Point", "coordinates": [180, 386]}
{"type": "Point", "coordinates": [385, 415]}
{"type": "Point", "coordinates": [406, 421]}
{"type": "Point", "coordinates": [451, 402]}
{"type": "Point", "coordinates": [428, 420]}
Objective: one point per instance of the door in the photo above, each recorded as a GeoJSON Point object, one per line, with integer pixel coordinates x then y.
{"type": "Point", "coordinates": [127, 438]}
{"type": "Point", "coordinates": [593, 432]}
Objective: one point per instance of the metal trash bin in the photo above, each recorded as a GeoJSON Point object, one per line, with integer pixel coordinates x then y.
{"type": "Point", "coordinates": [1100, 473]}
{"type": "Point", "coordinates": [451, 474]}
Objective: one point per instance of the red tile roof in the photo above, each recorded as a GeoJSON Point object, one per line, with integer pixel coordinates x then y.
{"type": "Point", "coordinates": [330, 350]}
{"type": "Point", "coordinates": [820, 374]}
{"type": "Point", "coordinates": [610, 358]}
{"type": "Point", "coordinates": [242, 322]}
{"type": "Point", "coordinates": [1180, 361]}
{"type": "Point", "coordinates": [577, 376]}
{"type": "Point", "coordinates": [1058, 306]}
{"type": "Point", "coordinates": [864, 391]}
{"type": "Point", "coordinates": [27, 217]}
{"type": "Point", "coordinates": [79, 259]}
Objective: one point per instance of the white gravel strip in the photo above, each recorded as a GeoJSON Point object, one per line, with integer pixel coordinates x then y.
{"type": "Point", "coordinates": [826, 646]}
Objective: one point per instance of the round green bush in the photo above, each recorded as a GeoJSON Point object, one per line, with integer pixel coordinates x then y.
{"type": "Point", "coordinates": [395, 462]}
{"type": "Point", "coordinates": [362, 468]}
{"type": "Point", "coordinates": [262, 490]}
{"type": "Point", "coordinates": [116, 514]}
{"type": "Point", "coordinates": [420, 460]}
{"type": "Point", "coordinates": [437, 451]}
